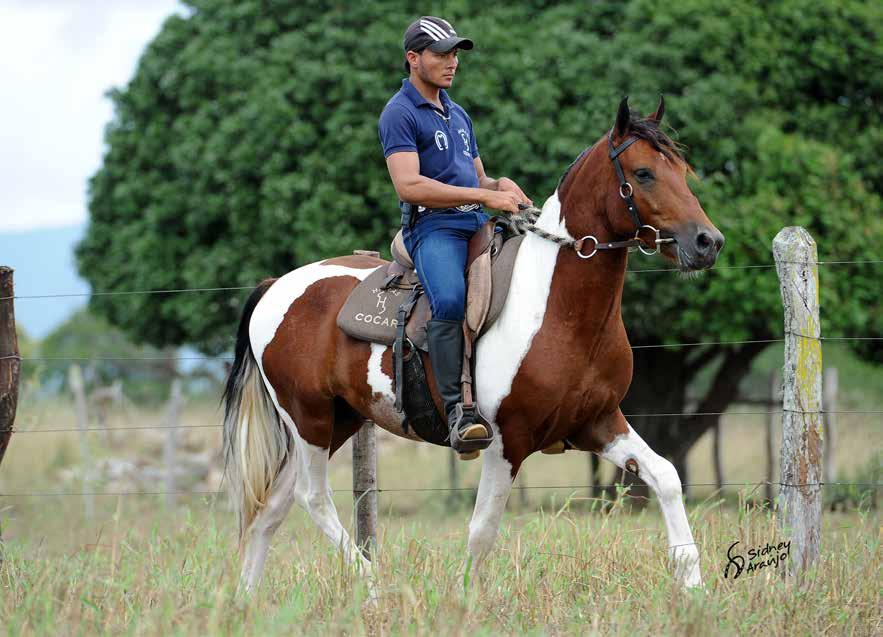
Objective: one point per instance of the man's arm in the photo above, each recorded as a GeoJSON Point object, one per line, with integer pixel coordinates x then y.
{"type": "Point", "coordinates": [411, 186]}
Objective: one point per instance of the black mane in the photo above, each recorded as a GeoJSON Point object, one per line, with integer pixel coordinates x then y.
{"type": "Point", "coordinates": [648, 130]}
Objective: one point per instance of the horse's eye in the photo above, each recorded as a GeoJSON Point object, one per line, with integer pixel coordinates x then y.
{"type": "Point", "coordinates": [643, 175]}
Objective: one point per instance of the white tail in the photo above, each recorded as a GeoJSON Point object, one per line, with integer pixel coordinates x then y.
{"type": "Point", "coordinates": [256, 443]}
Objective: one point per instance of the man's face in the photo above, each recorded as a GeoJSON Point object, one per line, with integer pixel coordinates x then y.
{"type": "Point", "coordinates": [437, 69]}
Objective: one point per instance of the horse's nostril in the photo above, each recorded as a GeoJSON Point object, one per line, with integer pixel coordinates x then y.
{"type": "Point", "coordinates": [704, 242]}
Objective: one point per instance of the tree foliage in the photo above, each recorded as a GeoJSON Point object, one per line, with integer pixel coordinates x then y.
{"type": "Point", "coordinates": [246, 145]}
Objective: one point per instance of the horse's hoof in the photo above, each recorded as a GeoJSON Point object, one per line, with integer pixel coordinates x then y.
{"type": "Point", "coordinates": [470, 455]}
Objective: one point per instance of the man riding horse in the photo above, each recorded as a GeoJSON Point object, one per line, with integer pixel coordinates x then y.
{"type": "Point", "coordinates": [430, 150]}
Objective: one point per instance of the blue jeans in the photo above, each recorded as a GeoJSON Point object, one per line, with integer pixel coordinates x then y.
{"type": "Point", "coordinates": [438, 245]}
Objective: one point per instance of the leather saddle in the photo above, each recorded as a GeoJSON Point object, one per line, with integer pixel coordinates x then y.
{"type": "Point", "coordinates": [372, 310]}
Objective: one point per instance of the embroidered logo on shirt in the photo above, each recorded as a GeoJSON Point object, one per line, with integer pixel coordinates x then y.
{"type": "Point", "coordinates": [441, 140]}
{"type": "Point", "coordinates": [465, 137]}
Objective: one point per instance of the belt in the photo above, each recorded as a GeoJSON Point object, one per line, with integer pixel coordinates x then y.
{"type": "Point", "coordinates": [410, 212]}
{"type": "Point", "coordinates": [467, 207]}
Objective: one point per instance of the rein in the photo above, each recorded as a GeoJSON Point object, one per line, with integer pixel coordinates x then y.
{"type": "Point", "coordinates": [527, 220]}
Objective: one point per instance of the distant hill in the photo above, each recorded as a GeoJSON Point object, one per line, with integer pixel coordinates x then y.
{"type": "Point", "coordinates": [43, 260]}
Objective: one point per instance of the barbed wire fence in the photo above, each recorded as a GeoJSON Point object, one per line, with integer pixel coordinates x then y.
{"type": "Point", "coordinates": [17, 358]}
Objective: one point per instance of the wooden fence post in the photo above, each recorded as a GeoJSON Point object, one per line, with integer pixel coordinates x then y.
{"type": "Point", "coordinates": [365, 475]}
{"type": "Point", "coordinates": [170, 447]}
{"type": "Point", "coordinates": [78, 389]}
{"type": "Point", "coordinates": [717, 455]}
{"type": "Point", "coordinates": [800, 500]}
{"type": "Point", "coordinates": [365, 488]}
{"type": "Point", "coordinates": [10, 362]}
{"type": "Point", "coordinates": [829, 404]}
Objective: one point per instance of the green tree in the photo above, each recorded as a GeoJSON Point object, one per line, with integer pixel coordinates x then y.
{"type": "Point", "coordinates": [106, 354]}
{"type": "Point", "coordinates": [246, 144]}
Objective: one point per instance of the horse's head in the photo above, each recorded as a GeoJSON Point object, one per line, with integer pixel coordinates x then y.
{"type": "Point", "coordinates": [644, 184]}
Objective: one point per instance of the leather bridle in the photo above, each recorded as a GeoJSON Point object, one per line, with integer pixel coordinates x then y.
{"type": "Point", "coordinates": [626, 192]}
{"type": "Point", "coordinates": [530, 214]}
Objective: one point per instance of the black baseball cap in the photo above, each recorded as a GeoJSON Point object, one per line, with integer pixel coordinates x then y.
{"type": "Point", "coordinates": [435, 34]}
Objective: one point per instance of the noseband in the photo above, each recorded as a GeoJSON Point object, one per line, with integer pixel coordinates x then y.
{"type": "Point", "coordinates": [626, 191]}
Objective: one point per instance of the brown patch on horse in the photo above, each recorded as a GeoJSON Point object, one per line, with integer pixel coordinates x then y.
{"type": "Point", "coordinates": [303, 354]}
{"type": "Point", "coordinates": [358, 261]}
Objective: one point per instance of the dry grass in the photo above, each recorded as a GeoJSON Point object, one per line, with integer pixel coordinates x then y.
{"type": "Point", "coordinates": [561, 565]}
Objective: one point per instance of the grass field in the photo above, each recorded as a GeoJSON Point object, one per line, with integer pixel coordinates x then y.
{"type": "Point", "coordinates": [555, 571]}
{"type": "Point", "coordinates": [564, 564]}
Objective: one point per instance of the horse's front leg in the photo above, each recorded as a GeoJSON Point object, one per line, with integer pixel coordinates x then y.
{"type": "Point", "coordinates": [497, 475]}
{"type": "Point", "coordinates": [628, 451]}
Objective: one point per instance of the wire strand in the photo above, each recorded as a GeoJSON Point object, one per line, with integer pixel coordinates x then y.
{"type": "Point", "coordinates": [650, 415]}
{"type": "Point", "coordinates": [766, 265]}
{"type": "Point", "coordinates": [63, 295]}
{"type": "Point", "coordinates": [251, 287]}
{"type": "Point", "coordinates": [875, 485]}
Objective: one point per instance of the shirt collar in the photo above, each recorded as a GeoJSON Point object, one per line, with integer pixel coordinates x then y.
{"type": "Point", "coordinates": [418, 100]}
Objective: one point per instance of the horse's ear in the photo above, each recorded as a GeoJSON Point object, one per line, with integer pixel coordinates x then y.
{"type": "Point", "coordinates": [623, 117]}
{"type": "Point", "coordinates": [660, 110]}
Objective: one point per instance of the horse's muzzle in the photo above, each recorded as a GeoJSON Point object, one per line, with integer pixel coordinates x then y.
{"type": "Point", "coordinates": [698, 247]}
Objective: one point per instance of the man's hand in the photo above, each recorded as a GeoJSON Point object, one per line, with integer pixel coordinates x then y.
{"type": "Point", "coordinates": [504, 200]}
{"type": "Point", "coordinates": [504, 184]}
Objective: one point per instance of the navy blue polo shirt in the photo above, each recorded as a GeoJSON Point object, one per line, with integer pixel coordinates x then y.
{"type": "Point", "coordinates": [444, 141]}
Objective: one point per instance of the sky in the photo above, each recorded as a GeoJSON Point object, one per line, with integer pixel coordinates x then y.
{"type": "Point", "coordinates": [58, 58]}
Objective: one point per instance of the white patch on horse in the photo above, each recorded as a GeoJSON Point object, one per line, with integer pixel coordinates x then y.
{"type": "Point", "coordinates": [500, 351]}
{"type": "Point", "coordinates": [490, 503]}
{"type": "Point", "coordinates": [383, 411]}
{"type": "Point", "coordinates": [630, 451]}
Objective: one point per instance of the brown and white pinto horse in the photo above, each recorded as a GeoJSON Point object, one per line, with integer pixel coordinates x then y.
{"type": "Point", "coordinates": [554, 366]}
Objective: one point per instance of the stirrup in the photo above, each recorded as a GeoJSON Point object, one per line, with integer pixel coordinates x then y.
{"type": "Point", "coordinates": [466, 437]}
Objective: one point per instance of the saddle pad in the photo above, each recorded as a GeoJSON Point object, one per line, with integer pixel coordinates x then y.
{"type": "Point", "coordinates": [502, 277]}
{"type": "Point", "coordinates": [369, 313]}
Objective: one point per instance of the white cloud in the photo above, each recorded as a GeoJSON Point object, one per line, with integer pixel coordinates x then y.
{"type": "Point", "coordinates": [57, 60]}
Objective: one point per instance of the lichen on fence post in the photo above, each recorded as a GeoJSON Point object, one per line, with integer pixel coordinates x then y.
{"type": "Point", "coordinates": [800, 499]}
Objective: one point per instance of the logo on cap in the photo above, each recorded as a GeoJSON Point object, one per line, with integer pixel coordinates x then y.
{"type": "Point", "coordinates": [435, 31]}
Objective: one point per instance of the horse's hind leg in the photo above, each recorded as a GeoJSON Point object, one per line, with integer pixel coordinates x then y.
{"type": "Point", "coordinates": [628, 451]}
{"type": "Point", "coordinates": [262, 528]}
{"type": "Point", "coordinates": [312, 492]}
{"type": "Point", "coordinates": [295, 483]}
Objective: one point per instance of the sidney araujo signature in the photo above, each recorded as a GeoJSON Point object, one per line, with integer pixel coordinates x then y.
{"type": "Point", "coordinates": [767, 556]}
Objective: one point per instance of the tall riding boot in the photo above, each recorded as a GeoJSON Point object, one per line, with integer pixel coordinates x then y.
{"type": "Point", "coordinates": [445, 340]}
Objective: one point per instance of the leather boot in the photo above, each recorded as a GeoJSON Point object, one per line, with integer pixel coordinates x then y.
{"type": "Point", "coordinates": [445, 340]}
